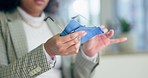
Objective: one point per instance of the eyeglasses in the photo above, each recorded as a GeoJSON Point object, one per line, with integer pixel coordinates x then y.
{"type": "Point", "coordinates": [77, 16]}
{"type": "Point", "coordinates": [74, 26]}
{"type": "Point", "coordinates": [53, 21]}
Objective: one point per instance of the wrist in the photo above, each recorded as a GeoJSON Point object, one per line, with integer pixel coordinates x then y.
{"type": "Point", "coordinates": [50, 53]}
{"type": "Point", "coordinates": [89, 53]}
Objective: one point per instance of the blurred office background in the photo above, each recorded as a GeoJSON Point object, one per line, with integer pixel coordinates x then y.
{"type": "Point", "coordinates": [128, 18]}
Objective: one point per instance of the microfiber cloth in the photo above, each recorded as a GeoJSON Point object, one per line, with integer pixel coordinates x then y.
{"type": "Point", "coordinates": [74, 26]}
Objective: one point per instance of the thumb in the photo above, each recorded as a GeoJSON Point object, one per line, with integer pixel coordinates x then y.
{"type": "Point", "coordinates": [110, 33]}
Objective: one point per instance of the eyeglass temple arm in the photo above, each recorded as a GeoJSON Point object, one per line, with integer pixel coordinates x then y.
{"type": "Point", "coordinates": [49, 18]}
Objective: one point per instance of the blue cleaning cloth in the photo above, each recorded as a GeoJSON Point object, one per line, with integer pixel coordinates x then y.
{"type": "Point", "coordinates": [74, 26]}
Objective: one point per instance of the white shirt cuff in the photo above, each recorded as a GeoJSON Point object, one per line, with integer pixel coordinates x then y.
{"type": "Point", "coordinates": [93, 59]}
{"type": "Point", "coordinates": [51, 62]}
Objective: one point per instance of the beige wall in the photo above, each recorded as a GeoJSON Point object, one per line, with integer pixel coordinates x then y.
{"type": "Point", "coordinates": [107, 11]}
{"type": "Point", "coordinates": [123, 66]}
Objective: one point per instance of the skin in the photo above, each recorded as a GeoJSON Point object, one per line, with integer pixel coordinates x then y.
{"type": "Point", "coordinates": [66, 45]}
{"type": "Point", "coordinates": [55, 7]}
{"type": "Point", "coordinates": [99, 42]}
{"type": "Point", "coordinates": [70, 44]}
{"type": "Point", "coordinates": [32, 7]}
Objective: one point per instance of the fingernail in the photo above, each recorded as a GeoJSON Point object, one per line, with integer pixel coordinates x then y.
{"type": "Point", "coordinates": [79, 39]}
{"type": "Point", "coordinates": [83, 33]}
{"type": "Point", "coordinates": [125, 38]}
{"type": "Point", "coordinates": [77, 51]}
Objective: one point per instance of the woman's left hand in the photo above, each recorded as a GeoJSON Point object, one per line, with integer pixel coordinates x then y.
{"type": "Point", "coordinates": [99, 42]}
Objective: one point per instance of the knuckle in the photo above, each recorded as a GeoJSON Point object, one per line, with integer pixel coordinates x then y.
{"type": "Point", "coordinates": [57, 43]}
{"type": "Point", "coordinates": [71, 36]}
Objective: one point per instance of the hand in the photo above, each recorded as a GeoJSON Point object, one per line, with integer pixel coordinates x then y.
{"type": "Point", "coordinates": [64, 45]}
{"type": "Point", "coordinates": [100, 42]}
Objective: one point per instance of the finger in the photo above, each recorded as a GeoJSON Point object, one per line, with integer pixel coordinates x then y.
{"type": "Point", "coordinates": [105, 40]}
{"type": "Point", "coordinates": [110, 33]}
{"type": "Point", "coordinates": [72, 36]}
{"type": "Point", "coordinates": [74, 49]}
{"type": "Point", "coordinates": [70, 43]}
{"type": "Point", "coordinates": [104, 28]}
{"type": "Point", "coordinates": [114, 41]}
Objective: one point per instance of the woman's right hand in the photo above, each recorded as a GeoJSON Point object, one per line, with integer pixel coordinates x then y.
{"type": "Point", "coordinates": [64, 45]}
